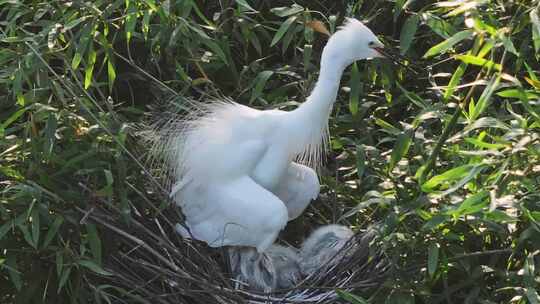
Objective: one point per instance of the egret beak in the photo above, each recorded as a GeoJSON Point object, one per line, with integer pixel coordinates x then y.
{"type": "Point", "coordinates": [394, 56]}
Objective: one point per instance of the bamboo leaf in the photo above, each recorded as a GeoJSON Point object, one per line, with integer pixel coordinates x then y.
{"type": "Point", "coordinates": [259, 84]}
{"type": "Point", "coordinates": [401, 147]}
{"type": "Point", "coordinates": [474, 60]}
{"type": "Point", "coordinates": [13, 272]}
{"type": "Point", "coordinates": [448, 43]}
{"type": "Point", "coordinates": [245, 4]}
{"type": "Point", "coordinates": [94, 241]}
{"type": "Point", "coordinates": [282, 30]}
{"type": "Point", "coordinates": [356, 90]}
{"type": "Point", "coordinates": [94, 267]}
{"type": "Point", "coordinates": [53, 229]}
{"type": "Point", "coordinates": [287, 11]}
{"type": "Point", "coordinates": [407, 33]}
{"type": "Point", "coordinates": [89, 69]}
{"type": "Point", "coordinates": [450, 175]}
{"type": "Point", "coordinates": [35, 226]}
{"type": "Point", "coordinates": [360, 161]}
{"type": "Point", "coordinates": [433, 258]}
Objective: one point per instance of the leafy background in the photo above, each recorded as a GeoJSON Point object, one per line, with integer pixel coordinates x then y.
{"type": "Point", "coordinates": [444, 155]}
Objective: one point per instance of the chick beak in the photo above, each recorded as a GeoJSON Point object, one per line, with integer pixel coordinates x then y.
{"type": "Point", "coordinates": [394, 56]}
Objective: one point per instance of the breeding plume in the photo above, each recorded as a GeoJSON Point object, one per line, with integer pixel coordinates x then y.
{"type": "Point", "coordinates": [238, 173]}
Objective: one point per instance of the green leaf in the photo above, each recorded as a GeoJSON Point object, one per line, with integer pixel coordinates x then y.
{"type": "Point", "coordinates": [13, 118]}
{"type": "Point", "coordinates": [454, 81]}
{"type": "Point", "coordinates": [53, 229]}
{"type": "Point", "coordinates": [435, 221]}
{"type": "Point", "coordinates": [245, 4]}
{"type": "Point", "coordinates": [483, 144]}
{"type": "Point", "coordinates": [282, 30]}
{"type": "Point", "coordinates": [356, 90]}
{"type": "Point", "coordinates": [448, 43]}
{"type": "Point", "coordinates": [484, 99]}
{"type": "Point", "coordinates": [94, 241]}
{"type": "Point", "coordinates": [360, 161]}
{"type": "Point", "coordinates": [63, 279]}
{"type": "Point", "coordinates": [131, 19]}
{"type": "Point", "coordinates": [472, 204]}
{"type": "Point", "coordinates": [287, 11]}
{"type": "Point", "coordinates": [50, 134]}
{"type": "Point", "coordinates": [59, 261]}
{"type": "Point", "coordinates": [351, 298]}
{"type": "Point", "coordinates": [216, 49]}
{"type": "Point", "coordinates": [450, 175]}
{"type": "Point", "coordinates": [517, 94]}
{"type": "Point", "coordinates": [89, 69]}
{"type": "Point", "coordinates": [499, 216]}
{"type": "Point", "coordinates": [509, 46]}
{"type": "Point", "coordinates": [259, 84]}
{"type": "Point", "coordinates": [474, 60]}
{"type": "Point", "coordinates": [401, 147]}
{"type": "Point", "coordinates": [4, 229]}
{"type": "Point", "coordinates": [94, 267]}
{"type": "Point", "coordinates": [407, 33]}
{"type": "Point", "coordinates": [27, 236]}
{"type": "Point", "coordinates": [76, 60]}
{"type": "Point", "coordinates": [111, 73]}
{"type": "Point", "coordinates": [433, 258]}
{"type": "Point", "coordinates": [535, 25]}
{"type": "Point", "coordinates": [12, 268]}
{"type": "Point", "coordinates": [35, 226]}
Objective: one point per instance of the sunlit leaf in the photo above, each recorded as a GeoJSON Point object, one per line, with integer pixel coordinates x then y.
{"type": "Point", "coordinates": [488, 64]}
{"type": "Point", "coordinates": [448, 43]}
{"type": "Point", "coordinates": [401, 147]}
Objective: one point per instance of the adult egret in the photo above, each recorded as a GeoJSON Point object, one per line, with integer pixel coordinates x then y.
{"type": "Point", "coordinates": [237, 171]}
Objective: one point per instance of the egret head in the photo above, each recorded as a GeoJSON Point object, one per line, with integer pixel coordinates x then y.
{"type": "Point", "coordinates": [353, 41]}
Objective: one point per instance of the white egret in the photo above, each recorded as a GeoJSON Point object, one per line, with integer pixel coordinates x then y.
{"type": "Point", "coordinates": [239, 174]}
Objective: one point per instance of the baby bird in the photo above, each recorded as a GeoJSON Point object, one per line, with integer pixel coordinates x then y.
{"type": "Point", "coordinates": [286, 264]}
{"type": "Point", "coordinates": [276, 268]}
{"type": "Point", "coordinates": [323, 247]}
{"type": "Point", "coordinates": [282, 267]}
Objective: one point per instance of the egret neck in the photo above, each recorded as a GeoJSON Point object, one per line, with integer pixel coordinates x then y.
{"type": "Point", "coordinates": [312, 115]}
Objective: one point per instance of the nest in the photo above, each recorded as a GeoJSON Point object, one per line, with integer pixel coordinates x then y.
{"type": "Point", "coordinates": [153, 264]}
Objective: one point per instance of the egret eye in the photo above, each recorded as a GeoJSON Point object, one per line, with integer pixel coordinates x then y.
{"type": "Point", "coordinates": [371, 44]}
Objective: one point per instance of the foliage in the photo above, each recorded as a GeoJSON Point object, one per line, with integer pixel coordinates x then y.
{"type": "Point", "coordinates": [445, 159]}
